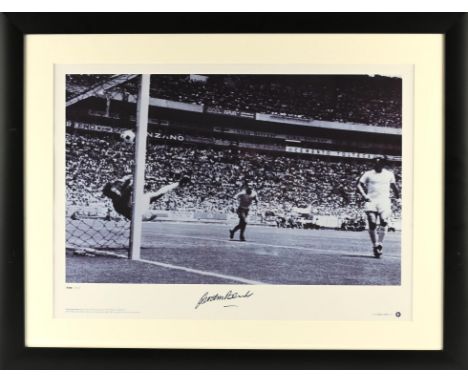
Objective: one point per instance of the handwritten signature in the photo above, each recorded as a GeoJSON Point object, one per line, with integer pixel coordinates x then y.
{"type": "Point", "coordinates": [230, 295]}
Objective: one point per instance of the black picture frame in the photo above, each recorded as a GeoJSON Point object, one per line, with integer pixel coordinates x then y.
{"type": "Point", "coordinates": [13, 29]}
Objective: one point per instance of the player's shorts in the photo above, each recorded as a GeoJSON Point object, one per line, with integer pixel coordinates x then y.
{"type": "Point", "coordinates": [382, 207]}
{"type": "Point", "coordinates": [124, 207]}
{"type": "Point", "coordinates": [242, 212]}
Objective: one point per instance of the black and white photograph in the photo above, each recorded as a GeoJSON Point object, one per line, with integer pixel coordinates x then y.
{"type": "Point", "coordinates": [282, 179]}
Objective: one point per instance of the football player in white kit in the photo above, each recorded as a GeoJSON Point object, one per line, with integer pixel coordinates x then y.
{"type": "Point", "coordinates": [374, 186]}
{"type": "Point", "coordinates": [245, 198]}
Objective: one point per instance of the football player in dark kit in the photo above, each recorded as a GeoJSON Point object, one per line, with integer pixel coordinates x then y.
{"type": "Point", "coordinates": [120, 192]}
{"type": "Point", "coordinates": [245, 198]}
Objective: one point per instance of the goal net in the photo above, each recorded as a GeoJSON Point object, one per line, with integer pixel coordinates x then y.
{"type": "Point", "coordinates": [97, 233]}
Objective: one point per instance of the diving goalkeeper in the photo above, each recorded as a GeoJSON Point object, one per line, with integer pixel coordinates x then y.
{"type": "Point", "coordinates": [120, 192]}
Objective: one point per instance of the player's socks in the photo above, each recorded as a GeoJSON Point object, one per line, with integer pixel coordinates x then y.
{"type": "Point", "coordinates": [379, 247]}
{"type": "Point", "coordinates": [382, 231]}
{"type": "Point", "coordinates": [373, 236]}
{"type": "Point", "coordinates": [231, 234]}
{"type": "Point", "coordinates": [242, 237]}
{"type": "Point", "coordinates": [378, 250]}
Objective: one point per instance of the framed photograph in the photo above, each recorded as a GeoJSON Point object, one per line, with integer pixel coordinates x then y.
{"type": "Point", "coordinates": [259, 191]}
{"type": "Point", "coordinates": [205, 163]}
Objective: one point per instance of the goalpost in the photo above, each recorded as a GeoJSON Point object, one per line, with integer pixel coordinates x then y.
{"type": "Point", "coordinates": [139, 170]}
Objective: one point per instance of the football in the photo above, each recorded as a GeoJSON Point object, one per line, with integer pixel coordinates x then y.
{"type": "Point", "coordinates": [128, 136]}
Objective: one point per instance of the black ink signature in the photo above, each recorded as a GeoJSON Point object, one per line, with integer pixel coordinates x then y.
{"type": "Point", "coordinates": [230, 295]}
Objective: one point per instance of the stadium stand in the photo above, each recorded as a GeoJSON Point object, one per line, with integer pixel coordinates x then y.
{"type": "Point", "coordinates": [357, 99]}
{"type": "Point", "coordinates": [283, 181]}
{"type": "Point", "coordinates": [353, 99]}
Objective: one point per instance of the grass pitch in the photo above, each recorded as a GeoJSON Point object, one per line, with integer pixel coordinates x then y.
{"type": "Point", "coordinates": [197, 253]}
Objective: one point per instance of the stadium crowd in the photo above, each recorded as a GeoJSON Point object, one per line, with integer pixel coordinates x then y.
{"type": "Point", "coordinates": [283, 182]}
{"type": "Point", "coordinates": [79, 83]}
{"type": "Point", "coordinates": [355, 99]}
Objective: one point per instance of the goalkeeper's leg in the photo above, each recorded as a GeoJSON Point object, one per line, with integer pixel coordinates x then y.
{"type": "Point", "coordinates": [153, 196]}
